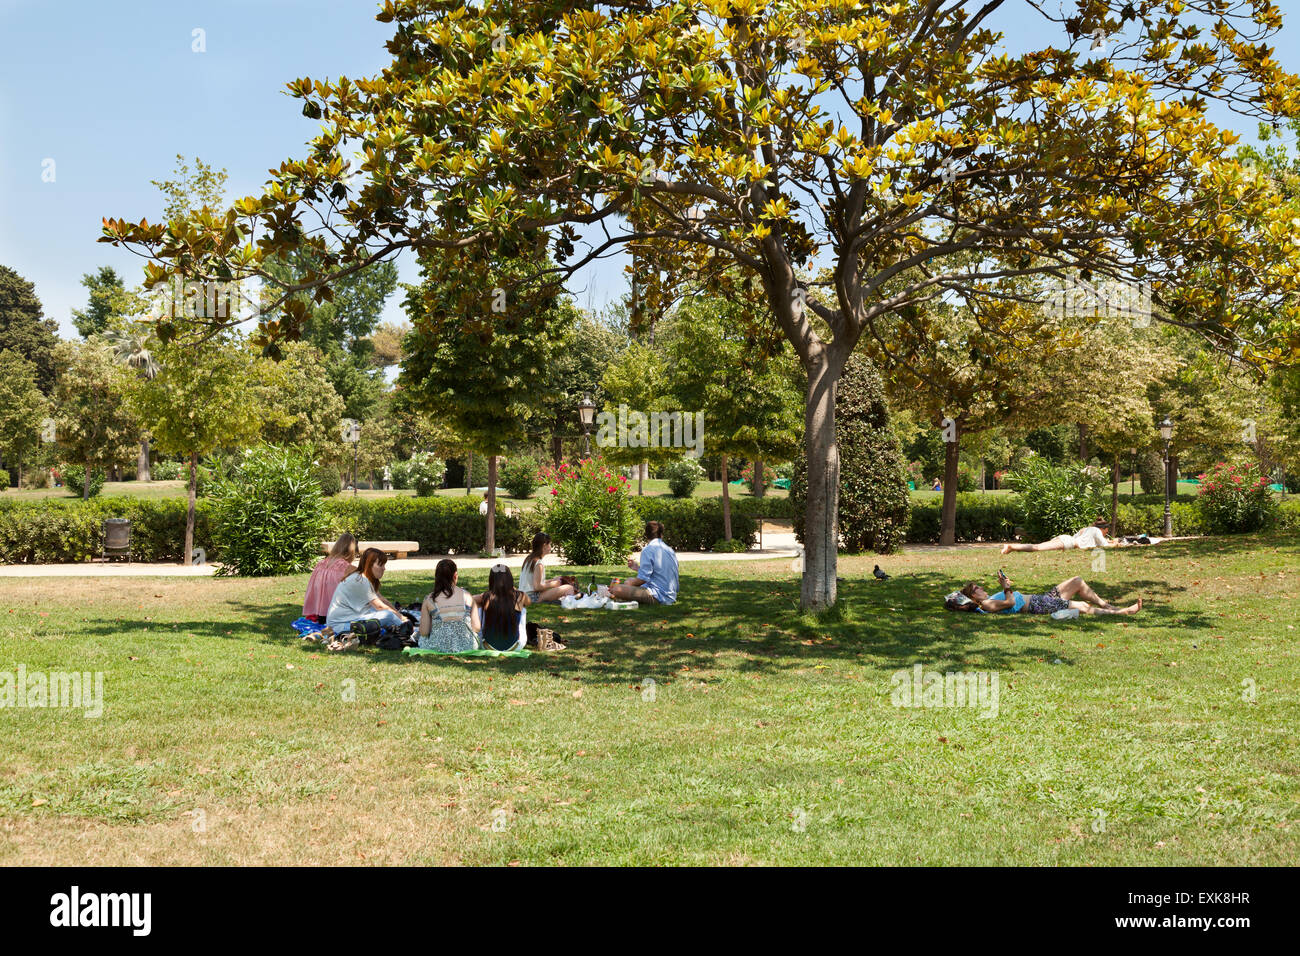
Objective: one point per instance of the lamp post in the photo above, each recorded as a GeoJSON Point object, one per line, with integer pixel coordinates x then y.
{"type": "Point", "coordinates": [586, 411]}
{"type": "Point", "coordinates": [1167, 433]}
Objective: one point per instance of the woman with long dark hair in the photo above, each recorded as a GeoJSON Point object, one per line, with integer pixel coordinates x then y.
{"type": "Point", "coordinates": [357, 596]}
{"type": "Point", "coordinates": [504, 611]}
{"type": "Point", "coordinates": [532, 580]}
{"type": "Point", "coordinates": [449, 619]}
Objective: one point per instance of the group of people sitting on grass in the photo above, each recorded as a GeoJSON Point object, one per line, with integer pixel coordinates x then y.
{"type": "Point", "coordinates": [343, 594]}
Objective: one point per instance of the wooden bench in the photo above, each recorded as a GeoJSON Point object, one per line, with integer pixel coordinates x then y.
{"type": "Point", "coordinates": [398, 548]}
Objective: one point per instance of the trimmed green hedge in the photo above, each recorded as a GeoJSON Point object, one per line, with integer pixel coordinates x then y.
{"type": "Point", "coordinates": [980, 517]}
{"type": "Point", "coordinates": [694, 524]}
{"type": "Point", "coordinates": [68, 530]}
{"type": "Point", "coordinates": [442, 525]}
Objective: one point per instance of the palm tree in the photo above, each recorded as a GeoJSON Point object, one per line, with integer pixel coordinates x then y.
{"type": "Point", "coordinates": [132, 350]}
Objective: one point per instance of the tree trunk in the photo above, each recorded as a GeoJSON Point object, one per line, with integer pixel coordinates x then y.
{"type": "Point", "coordinates": [726, 502]}
{"type": "Point", "coordinates": [1114, 498]}
{"type": "Point", "coordinates": [492, 504]}
{"type": "Point", "coordinates": [188, 556]}
{"type": "Point", "coordinates": [821, 509]}
{"type": "Point", "coordinates": [640, 478]}
{"type": "Point", "coordinates": [1083, 443]}
{"type": "Point", "coordinates": [1172, 476]}
{"type": "Point", "coordinates": [557, 448]}
{"type": "Point", "coordinates": [758, 479]}
{"type": "Point", "coordinates": [469, 473]}
{"type": "Point", "coordinates": [142, 469]}
{"type": "Point", "coordinates": [85, 482]}
{"type": "Point", "coordinates": [951, 453]}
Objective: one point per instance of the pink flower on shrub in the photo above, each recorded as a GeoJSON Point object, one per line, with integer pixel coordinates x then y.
{"type": "Point", "coordinates": [555, 491]}
{"type": "Point", "coordinates": [611, 489]}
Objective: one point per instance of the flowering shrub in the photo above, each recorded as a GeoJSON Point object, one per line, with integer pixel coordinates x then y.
{"type": "Point", "coordinates": [1235, 499]}
{"type": "Point", "coordinates": [519, 476]}
{"type": "Point", "coordinates": [683, 475]}
{"type": "Point", "coordinates": [587, 513]}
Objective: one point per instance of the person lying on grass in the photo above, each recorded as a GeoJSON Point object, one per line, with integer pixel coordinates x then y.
{"type": "Point", "coordinates": [1093, 536]}
{"type": "Point", "coordinates": [1059, 598]}
{"type": "Point", "coordinates": [656, 580]}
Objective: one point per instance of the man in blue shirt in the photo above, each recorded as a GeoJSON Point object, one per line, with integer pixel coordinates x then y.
{"type": "Point", "coordinates": [656, 580]}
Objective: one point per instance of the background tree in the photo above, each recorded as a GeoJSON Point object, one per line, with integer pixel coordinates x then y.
{"type": "Point", "coordinates": [24, 329]}
{"type": "Point", "coordinates": [94, 425]}
{"type": "Point", "coordinates": [880, 141]}
{"type": "Point", "coordinates": [575, 372]}
{"type": "Point", "coordinates": [477, 359]}
{"type": "Point", "coordinates": [23, 410]}
{"type": "Point", "coordinates": [638, 378]}
{"type": "Point", "coordinates": [108, 298]}
{"type": "Point", "coordinates": [203, 399]}
{"type": "Point", "coordinates": [750, 399]}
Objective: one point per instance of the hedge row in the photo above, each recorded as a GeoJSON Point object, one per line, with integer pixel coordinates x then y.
{"type": "Point", "coordinates": [66, 530]}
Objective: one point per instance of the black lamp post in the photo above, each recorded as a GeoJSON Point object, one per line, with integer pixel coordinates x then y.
{"type": "Point", "coordinates": [587, 411]}
{"type": "Point", "coordinates": [1167, 433]}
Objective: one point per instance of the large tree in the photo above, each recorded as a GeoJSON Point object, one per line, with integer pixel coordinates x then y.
{"type": "Point", "coordinates": [108, 298]}
{"type": "Point", "coordinates": [478, 360]}
{"type": "Point", "coordinates": [23, 410]}
{"type": "Point", "coordinates": [883, 143]}
{"type": "Point", "coordinates": [202, 399]}
{"type": "Point", "coordinates": [94, 425]}
{"type": "Point", "coordinates": [24, 329]}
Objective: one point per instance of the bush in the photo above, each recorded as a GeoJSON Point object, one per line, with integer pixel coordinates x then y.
{"type": "Point", "coordinates": [734, 546]}
{"type": "Point", "coordinates": [1057, 499]}
{"type": "Point", "coordinates": [1151, 472]}
{"type": "Point", "coordinates": [980, 517]}
{"type": "Point", "coordinates": [329, 479]}
{"type": "Point", "coordinates": [440, 525]}
{"type": "Point", "coordinates": [268, 516]}
{"type": "Point", "coordinates": [684, 476]}
{"type": "Point", "coordinates": [874, 503]}
{"type": "Point", "coordinates": [519, 476]}
{"type": "Point", "coordinates": [6, 481]}
{"type": "Point", "coordinates": [587, 513]}
{"type": "Point", "coordinates": [425, 471]}
{"type": "Point", "coordinates": [1148, 517]}
{"type": "Point", "coordinates": [399, 473]}
{"type": "Point", "coordinates": [73, 476]}
{"type": "Point", "coordinates": [36, 478]}
{"type": "Point", "coordinates": [167, 470]}
{"type": "Point", "coordinates": [60, 530]}
{"type": "Point", "coordinates": [1235, 499]}
{"type": "Point", "coordinates": [695, 524]}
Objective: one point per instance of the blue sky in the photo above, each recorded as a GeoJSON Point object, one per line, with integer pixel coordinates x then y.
{"type": "Point", "coordinates": [112, 91]}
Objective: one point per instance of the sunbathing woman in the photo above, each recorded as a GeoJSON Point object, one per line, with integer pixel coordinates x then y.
{"type": "Point", "coordinates": [1085, 539]}
{"type": "Point", "coordinates": [1059, 598]}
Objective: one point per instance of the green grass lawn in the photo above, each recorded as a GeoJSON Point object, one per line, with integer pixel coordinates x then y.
{"type": "Point", "coordinates": [769, 737]}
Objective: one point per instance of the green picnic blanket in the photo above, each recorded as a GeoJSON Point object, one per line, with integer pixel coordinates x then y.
{"type": "Point", "coordinates": [480, 652]}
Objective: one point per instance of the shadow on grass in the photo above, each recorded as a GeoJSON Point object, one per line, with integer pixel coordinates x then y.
{"type": "Point", "coordinates": [743, 625]}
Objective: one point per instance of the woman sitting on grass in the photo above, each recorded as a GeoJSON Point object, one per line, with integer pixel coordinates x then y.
{"type": "Point", "coordinates": [449, 620]}
{"type": "Point", "coordinates": [531, 580]}
{"type": "Point", "coordinates": [325, 577]}
{"type": "Point", "coordinates": [357, 596]}
{"type": "Point", "coordinates": [1060, 598]}
{"type": "Point", "coordinates": [504, 611]}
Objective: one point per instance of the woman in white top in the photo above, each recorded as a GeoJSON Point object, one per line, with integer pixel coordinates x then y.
{"type": "Point", "coordinates": [532, 579]}
{"type": "Point", "coordinates": [449, 618]}
{"type": "Point", "coordinates": [357, 596]}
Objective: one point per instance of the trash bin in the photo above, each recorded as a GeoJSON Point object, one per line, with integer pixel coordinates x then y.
{"type": "Point", "coordinates": [117, 538]}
